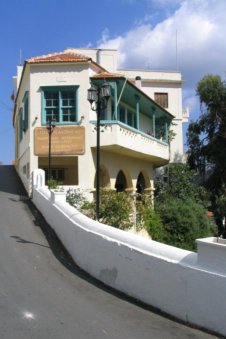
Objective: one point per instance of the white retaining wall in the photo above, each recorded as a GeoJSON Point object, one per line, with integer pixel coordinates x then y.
{"type": "Point", "coordinates": [163, 276]}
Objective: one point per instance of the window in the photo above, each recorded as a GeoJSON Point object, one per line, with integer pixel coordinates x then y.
{"type": "Point", "coordinates": [130, 118]}
{"type": "Point", "coordinates": [55, 173]}
{"type": "Point", "coordinates": [122, 114]}
{"type": "Point", "coordinates": [59, 103]}
{"type": "Point", "coordinates": [162, 99]}
{"type": "Point", "coordinates": [25, 101]}
{"type": "Point", "coordinates": [126, 114]}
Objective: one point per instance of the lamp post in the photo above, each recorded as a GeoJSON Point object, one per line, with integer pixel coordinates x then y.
{"type": "Point", "coordinates": [51, 123]}
{"type": "Point", "coordinates": [98, 96]}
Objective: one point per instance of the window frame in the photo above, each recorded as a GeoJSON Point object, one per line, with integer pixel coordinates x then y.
{"type": "Point", "coordinates": [59, 89]}
{"type": "Point", "coordinates": [166, 94]}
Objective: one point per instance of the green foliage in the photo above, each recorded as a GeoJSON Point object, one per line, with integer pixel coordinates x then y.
{"type": "Point", "coordinates": [148, 219]}
{"type": "Point", "coordinates": [75, 198]}
{"type": "Point", "coordinates": [180, 186]}
{"type": "Point", "coordinates": [183, 222]}
{"type": "Point", "coordinates": [115, 209]}
{"type": "Point", "coordinates": [206, 139]}
{"type": "Point", "coordinates": [182, 207]}
{"type": "Point", "coordinates": [52, 183]}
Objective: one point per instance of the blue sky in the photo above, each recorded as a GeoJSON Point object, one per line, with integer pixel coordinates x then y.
{"type": "Point", "coordinates": [144, 31]}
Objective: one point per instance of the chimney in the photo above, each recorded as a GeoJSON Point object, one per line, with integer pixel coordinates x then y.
{"type": "Point", "coordinates": [138, 81]}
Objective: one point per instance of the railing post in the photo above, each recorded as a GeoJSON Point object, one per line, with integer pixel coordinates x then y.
{"type": "Point", "coordinates": [166, 131]}
{"type": "Point", "coordinates": [137, 112]}
{"type": "Point", "coordinates": [153, 124]}
{"type": "Point", "coordinates": [115, 102]}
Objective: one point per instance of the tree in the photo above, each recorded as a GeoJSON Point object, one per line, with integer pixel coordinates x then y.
{"type": "Point", "coordinates": [180, 185]}
{"type": "Point", "coordinates": [182, 206]}
{"type": "Point", "coordinates": [206, 139]}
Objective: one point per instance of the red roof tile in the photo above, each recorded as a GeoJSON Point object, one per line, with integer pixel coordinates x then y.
{"type": "Point", "coordinates": [108, 75]}
{"type": "Point", "coordinates": [58, 57]}
{"type": "Point", "coordinates": [210, 214]}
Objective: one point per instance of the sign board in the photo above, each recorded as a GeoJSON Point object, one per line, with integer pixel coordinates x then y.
{"type": "Point", "coordinates": [65, 140]}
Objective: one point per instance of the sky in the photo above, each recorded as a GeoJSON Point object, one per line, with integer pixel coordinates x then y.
{"type": "Point", "coordinates": [147, 34]}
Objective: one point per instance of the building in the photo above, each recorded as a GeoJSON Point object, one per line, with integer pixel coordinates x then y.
{"type": "Point", "coordinates": [134, 125]}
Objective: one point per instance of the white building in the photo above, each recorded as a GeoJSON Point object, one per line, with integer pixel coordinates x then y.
{"type": "Point", "coordinates": [134, 126]}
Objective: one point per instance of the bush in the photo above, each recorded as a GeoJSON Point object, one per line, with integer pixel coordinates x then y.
{"type": "Point", "coordinates": [153, 225]}
{"type": "Point", "coordinates": [183, 222]}
{"type": "Point", "coordinates": [115, 209]}
{"type": "Point", "coordinates": [52, 183]}
{"type": "Point", "coordinates": [148, 219]}
{"type": "Point", "coordinates": [75, 198]}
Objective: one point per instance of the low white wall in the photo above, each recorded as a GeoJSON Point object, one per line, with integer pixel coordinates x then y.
{"type": "Point", "coordinates": [166, 277]}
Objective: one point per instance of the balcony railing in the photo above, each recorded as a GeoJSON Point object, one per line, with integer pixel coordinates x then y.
{"type": "Point", "coordinates": [116, 136]}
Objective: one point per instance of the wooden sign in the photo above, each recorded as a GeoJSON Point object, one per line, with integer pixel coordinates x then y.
{"type": "Point", "coordinates": [65, 140]}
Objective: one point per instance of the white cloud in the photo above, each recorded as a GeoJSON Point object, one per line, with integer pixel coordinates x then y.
{"type": "Point", "coordinates": [200, 26]}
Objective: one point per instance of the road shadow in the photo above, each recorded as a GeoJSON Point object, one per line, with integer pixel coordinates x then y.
{"type": "Point", "coordinates": [23, 241]}
{"type": "Point", "coordinates": [10, 182]}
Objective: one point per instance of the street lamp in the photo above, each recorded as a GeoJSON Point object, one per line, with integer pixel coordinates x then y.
{"type": "Point", "coordinates": [50, 124]}
{"type": "Point", "coordinates": [98, 95]}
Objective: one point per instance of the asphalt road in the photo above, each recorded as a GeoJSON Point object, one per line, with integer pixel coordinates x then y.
{"type": "Point", "coordinates": [43, 294]}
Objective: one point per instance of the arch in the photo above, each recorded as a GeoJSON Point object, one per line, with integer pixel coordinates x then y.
{"type": "Point", "coordinates": [143, 182]}
{"type": "Point", "coordinates": [104, 178]}
{"type": "Point", "coordinates": [123, 180]}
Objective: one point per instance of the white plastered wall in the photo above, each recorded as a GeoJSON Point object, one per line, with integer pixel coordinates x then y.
{"type": "Point", "coordinates": [62, 75]}
{"type": "Point", "coordinates": [23, 159]}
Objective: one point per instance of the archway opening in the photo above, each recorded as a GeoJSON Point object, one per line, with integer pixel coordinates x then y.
{"type": "Point", "coordinates": [121, 183]}
{"type": "Point", "coordinates": [104, 178]}
{"type": "Point", "coordinates": [141, 184]}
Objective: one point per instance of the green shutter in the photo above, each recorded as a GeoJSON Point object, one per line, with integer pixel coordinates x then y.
{"type": "Point", "coordinates": [25, 101]}
{"type": "Point", "coordinates": [21, 123]}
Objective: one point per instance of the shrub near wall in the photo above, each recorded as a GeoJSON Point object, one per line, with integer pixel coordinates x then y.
{"type": "Point", "coordinates": [115, 208]}
{"type": "Point", "coordinates": [183, 222]}
{"type": "Point", "coordinates": [148, 219]}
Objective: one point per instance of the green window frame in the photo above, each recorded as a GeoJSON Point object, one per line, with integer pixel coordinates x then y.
{"type": "Point", "coordinates": [60, 103]}
{"type": "Point", "coordinates": [21, 123]}
{"type": "Point", "coordinates": [25, 101]}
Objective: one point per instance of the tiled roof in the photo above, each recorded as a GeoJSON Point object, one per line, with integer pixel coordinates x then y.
{"type": "Point", "coordinates": [210, 214]}
{"type": "Point", "coordinates": [58, 57]}
{"type": "Point", "coordinates": [108, 75]}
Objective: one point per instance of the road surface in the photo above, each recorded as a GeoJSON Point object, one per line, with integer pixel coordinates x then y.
{"type": "Point", "coordinates": [43, 294]}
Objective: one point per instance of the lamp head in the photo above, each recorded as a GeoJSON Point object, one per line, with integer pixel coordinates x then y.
{"type": "Point", "coordinates": [105, 90]}
{"type": "Point", "coordinates": [92, 94]}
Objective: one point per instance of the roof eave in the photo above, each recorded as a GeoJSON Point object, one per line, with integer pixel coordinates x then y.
{"type": "Point", "coordinates": [172, 116]}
